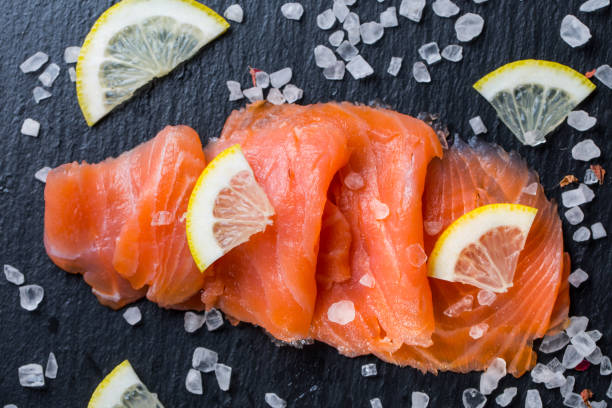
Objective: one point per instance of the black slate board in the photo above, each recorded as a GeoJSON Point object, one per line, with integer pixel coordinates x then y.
{"type": "Point", "coordinates": [89, 339]}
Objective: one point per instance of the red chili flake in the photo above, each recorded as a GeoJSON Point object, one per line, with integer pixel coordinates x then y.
{"type": "Point", "coordinates": [586, 395]}
{"type": "Point", "coordinates": [583, 366]}
{"type": "Point", "coordinates": [590, 74]}
{"type": "Point", "coordinates": [567, 180]}
{"type": "Point", "coordinates": [599, 171]}
{"type": "Point", "coordinates": [253, 71]}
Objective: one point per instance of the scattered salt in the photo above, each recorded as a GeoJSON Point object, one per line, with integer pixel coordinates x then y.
{"type": "Point", "coordinates": [51, 369]}
{"type": "Point", "coordinates": [347, 51]}
{"type": "Point", "coordinates": [595, 335]}
{"type": "Point", "coordinates": [577, 325]}
{"type": "Point", "coordinates": [71, 54]}
{"type": "Point", "coordinates": [30, 127]}
{"type": "Point", "coordinates": [412, 9]}
{"type": "Point", "coordinates": [590, 177]}
{"type": "Point", "coordinates": [132, 315]}
{"type": "Point", "coordinates": [416, 255]}
{"type": "Point", "coordinates": [595, 357]}
{"type": "Point", "coordinates": [606, 366]}
{"type": "Point", "coordinates": [568, 387]}
{"type": "Point", "coordinates": [193, 321]}
{"type": "Point", "coordinates": [478, 126]}
{"type": "Point", "coordinates": [359, 68]}
{"type": "Point", "coordinates": [193, 381]}
{"type": "Point", "coordinates": [234, 13]}
{"type": "Point", "coordinates": [341, 312]}
{"type": "Point", "coordinates": [335, 39]}
{"type": "Point", "coordinates": [326, 19]}
{"type": "Point", "coordinates": [430, 53]}
{"type": "Point", "coordinates": [554, 342]}
{"type": "Point", "coordinates": [274, 400]}
{"type": "Point", "coordinates": [453, 53]}
{"type": "Point", "coordinates": [420, 72]}
{"type": "Point", "coordinates": [224, 375]}
{"type": "Point", "coordinates": [556, 380]}
{"type": "Point", "coordinates": [394, 66]}
{"type": "Point", "coordinates": [40, 94]}
{"type": "Point", "coordinates": [253, 94]}
{"type": "Point", "coordinates": [30, 296]}
{"type": "Point", "coordinates": [445, 8]}
{"type": "Point", "coordinates": [49, 75]}
{"type": "Point", "coordinates": [371, 32]}
{"type": "Point", "coordinates": [13, 275]}
{"type": "Point", "coordinates": [367, 280]}
{"type": "Point", "coordinates": [463, 305]}
{"type": "Point", "coordinates": [161, 218]}
{"type": "Point", "coordinates": [468, 27]}
{"type": "Point", "coordinates": [574, 215]}
{"type": "Point", "coordinates": [580, 120]}
{"type": "Point", "coordinates": [281, 77]}
{"type": "Point", "coordinates": [34, 62]}
{"type": "Point", "coordinates": [574, 32]}
{"type": "Point", "coordinates": [593, 5]}
{"type": "Point", "coordinates": [478, 330]}
{"type": "Point", "coordinates": [471, 398]}
{"type": "Point", "coordinates": [388, 18]}
{"type": "Point", "coordinates": [505, 398]}
{"type": "Point", "coordinates": [541, 373]}
{"type": "Point", "coordinates": [533, 399]}
{"type": "Point", "coordinates": [582, 194]}
{"type": "Point", "coordinates": [486, 297]}
{"type": "Point", "coordinates": [368, 370]}
{"type": "Point", "coordinates": [609, 391]}
{"type": "Point", "coordinates": [571, 357]}
{"type": "Point", "coordinates": [72, 74]}
{"type": "Point", "coordinates": [353, 181]}
{"type": "Point", "coordinates": [419, 399]}
{"type": "Point", "coordinates": [292, 11]}
{"type": "Point", "coordinates": [531, 189]}
{"type": "Point", "coordinates": [432, 227]}
{"type": "Point", "coordinates": [577, 277]}
{"type": "Point", "coordinates": [214, 319]}
{"type": "Point", "coordinates": [292, 93]}
{"type": "Point", "coordinates": [582, 234]}
{"type": "Point", "coordinates": [41, 174]}
{"type": "Point", "coordinates": [376, 403]}
{"type": "Point", "coordinates": [340, 10]}
{"type": "Point", "coordinates": [351, 21]}
{"type": "Point", "coordinates": [275, 96]}
{"type": "Point", "coordinates": [599, 404]}
{"type": "Point", "coordinates": [604, 74]}
{"type": "Point", "coordinates": [262, 79]}
{"type": "Point", "coordinates": [204, 360]}
{"type": "Point", "coordinates": [573, 400]}
{"type": "Point", "coordinates": [379, 209]}
{"type": "Point", "coordinates": [598, 230]}
{"type": "Point", "coordinates": [31, 376]}
{"type": "Point", "coordinates": [335, 72]}
{"type": "Point", "coordinates": [586, 150]}
{"type": "Point", "coordinates": [555, 366]}
{"type": "Point", "coordinates": [324, 57]}
{"type": "Point", "coordinates": [353, 35]}
{"type": "Point", "coordinates": [235, 90]}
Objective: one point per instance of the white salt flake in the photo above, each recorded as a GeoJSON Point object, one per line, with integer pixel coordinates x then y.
{"type": "Point", "coordinates": [353, 36]}
{"type": "Point", "coordinates": [480, 1]}
{"type": "Point", "coordinates": [574, 215]}
{"type": "Point", "coordinates": [555, 366]}
{"type": "Point", "coordinates": [292, 11]}
{"type": "Point", "coordinates": [533, 399]}
{"type": "Point", "coordinates": [34, 62]}
{"type": "Point", "coordinates": [582, 234]}
{"type": "Point", "coordinates": [347, 51]}
{"type": "Point", "coordinates": [595, 357]}
{"type": "Point", "coordinates": [478, 330]}
{"type": "Point", "coordinates": [574, 32]}
{"type": "Point", "coordinates": [478, 126]}
{"type": "Point", "coordinates": [335, 72]}
{"type": "Point", "coordinates": [193, 382]}
{"type": "Point", "coordinates": [420, 72]}
{"type": "Point", "coordinates": [204, 360]}
{"type": "Point", "coordinates": [132, 315]}
{"type": "Point", "coordinates": [388, 18]}
{"type": "Point", "coordinates": [353, 181]}
{"type": "Point", "coordinates": [568, 387]}
{"type": "Point", "coordinates": [274, 400]}
{"type": "Point", "coordinates": [598, 231]}
{"type": "Point", "coordinates": [419, 399]}
{"type": "Point", "coordinates": [40, 94]}
{"type": "Point", "coordinates": [432, 227]}
{"type": "Point", "coordinates": [324, 57]}
{"type": "Point", "coordinates": [394, 66]}
{"type": "Point", "coordinates": [51, 368]}
{"type": "Point", "coordinates": [590, 178]}
{"type": "Point", "coordinates": [609, 391]}
{"type": "Point", "coordinates": [253, 94]}
{"type": "Point", "coordinates": [577, 277]}
{"type": "Point", "coordinates": [584, 344]}
{"type": "Point", "coordinates": [556, 380]}
{"type": "Point", "coordinates": [379, 209]}
{"type": "Point", "coordinates": [13, 275]}
{"type": "Point", "coordinates": [573, 400]}
{"type": "Point", "coordinates": [368, 370]}
{"type": "Point", "coordinates": [582, 194]}
{"type": "Point", "coordinates": [376, 403]}
{"type": "Point", "coordinates": [30, 296]}
{"type": "Point", "coordinates": [262, 79]}
{"type": "Point", "coordinates": [30, 127]}
{"type": "Point", "coordinates": [604, 74]}
{"type": "Point", "coordinates": [359, 68]}
{"type": "Point", "coordinates": [541, 373]}
{"type": "Point", "coordinates": [416, 255]}
{"type": "Point", "coordinates": [193, 321]}
{"type": "Point", "coordinates": [599, 404]}
{"type": "Point", "coordinates": [214, 319]}
{"type": "Point", "coordinates": [275, 96]}
{"type": "Point", "coordinates": [367, 280]}
{"type": "Point", "coordinates": [605, 367]}
{"type": "Point", "coordinates": [531, 189]}
{"type": "Point", "coordinates": [351, 21]}
{"type": "Point", "coordinates": [486, 297]}
{"type": "Point", "coordinates": [461, 306]}
{"type": "Point", "coordinates": [340, 10]}
{"type": "Point", "coordinates": [281, 77]}
{"type": "Point", "coordinates": [412, 9]}
{"type": "Point", "coordinates": [445, 8]}
{"type": "Point", "coordinates": [580, 120]}
{"type": "Point", "coordinates": [235, 90]}
{"type": "Point", "coordinates": [223, 373]}
{"type": "Point", "coordinates": [31, 376]}
{"type": "Point", "coordinates": [490, 378]}
{"type": "Point", "coordinates": [577, 325]}
{"type": "Point", "coordinates": [430, 53]}
{"type": "Point", "coordinates": [453, 53]}
{"type": "Point", "coordinates": [71, 54]}
{"type": "Point", "coordinates": [505, 398]}
{"type": "Point", "coordinates": [341, 312]}
{"type": "Point", "coordinates": [595, 335]}
{"type": "Point", "coordinates": [41, 174]}
{"type": "Point", "coordinates": [72, 74]}
{"type": "Point", "coordinates": [292, 93]}
{"type": "Point", "coordinates": [571, 357]}
{"type": "Point", "coordinates": [471, 398]}
{"type": "Point", "coordinates": [554, 342]}
{"type": "Point", "coordinates": [336, 38]}
{"type": "Point", "coordinates": [468, 27]}
{"type": "Point", "coordinates": [234, 13]}
{"type": "Point", "coordinates": [371, 32]}
{"type": "Point", "coordinates": [49, 75]}
{"type": "Point", "coordinates": [161, 218]}
{"type": "Point", "coordinates": [10, 406]}
{"type": "Point", "coordinates": [326, 19]}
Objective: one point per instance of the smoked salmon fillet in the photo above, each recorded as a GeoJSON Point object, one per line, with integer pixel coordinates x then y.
{"type": "Point", "coordinates": [98, 221]}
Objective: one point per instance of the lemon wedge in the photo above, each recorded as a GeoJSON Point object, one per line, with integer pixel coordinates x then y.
{"type": "Point", "coordinates": [482, 247]}
{"type": "Point", "coordinates": [226, 208]}
{"type": "Point", "coordinates": [135, 41]}
{"type": "Point", "coordinates": [121, 388]}
{"type": "Point", "coordinates": [533, 97]}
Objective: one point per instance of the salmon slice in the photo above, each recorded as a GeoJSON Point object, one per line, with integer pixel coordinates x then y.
{"type": "Point", "coordinates": [98, 221]}
{"type": "Point", "coordinates": [379, 193]}
{"type": "Point", "coordinates": [467, 177]}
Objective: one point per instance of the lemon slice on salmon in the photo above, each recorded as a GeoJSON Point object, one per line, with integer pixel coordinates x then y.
{"type": "Point", "coordinates": [226, 208]}
{"type": "Point", "coordinates": [482, 247]}
{"type": "Point", "coordinates": [533, 97]}
{"type": "Point", "coordinates": [135, 41]}
{"type": "Point", "coordinates": [122, 388]}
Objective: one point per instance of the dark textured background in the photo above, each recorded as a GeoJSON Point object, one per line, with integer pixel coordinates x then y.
{"type": "Point", "coordinates": [89, 339]}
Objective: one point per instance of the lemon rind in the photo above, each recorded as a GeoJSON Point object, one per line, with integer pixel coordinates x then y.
{"type": "Point", "coordinates": [99, 397]}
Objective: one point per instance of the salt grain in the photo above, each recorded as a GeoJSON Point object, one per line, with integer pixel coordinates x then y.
{"type": "Point", "coordinates": [71, 54]}
{"type": "Point", "coordinates": [335, 72]}
{"type": "Point", "coordinates": [292, 11]}
{"type": "Point", "coordinates": [394, 66]}
{"type": "Point", "coordinates": [204, 360]}
{"type": "Point", "coordinates": [324, 57]}
{"type": "Point", "coordinates": [573, 400]}
{"type": "Point", "coordinates": [557, 380]}
{"type": "Point", "coordinates": [49, 75]}
{"type": "Point", "coordinates": [461, 306]}
{"type": "Point", "coordinates": [235, 90]}
{"type": "Point", "coordinates": [388, 18]}
{"type": "Point", "coordinates": [554, 342]}
{"type": "Point", "coordinates": [598, 231]}
{"type": "Point", "coordinates": [574, 215]}
{"type": "Point", "coordinates": [582, 194]}
{"type": "Point", "coordinates": [30, 127]}
{"type": "Point", "coordinates": [132, 315]}
{"type": "Point", "coordinates": [359, 68]}
{"type": "Point", "coordinates": [72, 74]}
{"type": "Point", "coordinates": [274, 400]}
{"type": "Point", "coordinates": [571, 357]}
{"type": "Point", "coordinates": [193, 321]}
{"type": "Point", "coordinates": [51, 368]}
{"type": "Point", "coordinates": [471, 398]}
{"type": "Point", "coordinates": [335, 39]}
{"type": "Point", "coordinates": [223, 373]}
{"type": "Point", "coordinates": [262, 79]}
{"type": "Point", "coordinates": [577, 325]}
{"type": "Point", "coordinates": [590, 177]}
{"type": "Point", "coordinates": [468, 27]}
{"type": "Point", "coordinates": [595, 357]}
{"type": "Point", "coordinates": [371, 32]}
{"type": "Point", "coordinates": [351, 21]}
{"type": "Point", "coordinates": [214, 319]}
{"type": "Point", "coordinates": [341, 312]}
{"type": "Point", "coordinates": [161, 218]}
{"type": "Point", "coordinates": [478, 126]}
{"type": "Point", "coordinates": [416, 255]}
{"type": "Point", "coordinates": [609, 391]}
{"type": "Point", "coordinates": [505, 398]}
{"type": "Point", "coordinates": [41, 174]}
{"type": "Point", "coordinates": [420, 72]}
{"type": "Point", "coordinates": [555, 365]}
{"type": "Point", "coordinates": [376, 403]}
{"type": "Point", "coordinates": [367, 280]}
{"type": "Point", "coordinates": [605, 367]}
{"type": "Point", "coordinates": [533, 399]}
{"type": "Point", "coordinates": [275, 96]}
{"type": "Point", "coordinates": [281, 77]}
{"type": "Point", "coordinates": [234, 13]}
{"type": "Point", "coordinates": [478, 330]}
{"type": "Point", "coordinates": [347, 51]}
{"type": "Point", "coordinates": [430, 53]}
{"type": "Point", "coordinates": [595, 335]}
{"type": "Point", "coordinates": [40, 94]}
{"type": "Point", "coordinates": [412, 9]}
{"type": "Point", "coordinates": [574, 32]}
{"type": "Point", "coordinates": [193, 382]}
{"type": "Point", "coordinates": [31, 376]}
{"type": "Point", "coordinates": [604, 74]}
{"type": "Point", "coordinates": [253, 94]}
{"type": "Point", "coordinates": [419, 399]}
{"type": "Point", "coordinates": [13, 275]}
{"type": "Point", "coordinates": [580, 120]}
{"type": "Point", "coordinates": [541, 373]}
{"type": "Point", "coordinates": [486, 297]}
{"type": "Point", "coordinates": [531, 189]}
{"type": "Point", "coordinates": [368, 370]}
{"type": "Point", "coordinates": [292, 93]}
{"type": "Point", "coordinates": [353, 181]}
{"type": "Point", "coordinates": [30, 296]}
{"type": "Point", "coordinates": [340, 10]}
{"type": "Point", "coordinates": [582, 234]}
{"type": "Point", "coordinates": [34, 62]}
{"type": "Point", "coordinates": [453, 53]}
{"type": "Point", "coordinates": [326, 19]}
{"type": "Point", "coordinates": [577, 277]}
{"type": "Point", "coordinates": [568, 387]}
{"type": "Point", "coordinates": [445, 8]}
{"type": "Point", "coordinates": [380, 210]}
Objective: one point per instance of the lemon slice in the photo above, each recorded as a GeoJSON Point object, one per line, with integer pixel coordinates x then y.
{"type": "Point", "coordinates": [481, 248]}
{"type": "Point", "coordinates": [226, 208]}
{"type": "Point", "coordinates": [135, 41]}
{"type": "Point", "coordinates": [533, 97]}
{"type": "Point", "coordinates": [122, 388]}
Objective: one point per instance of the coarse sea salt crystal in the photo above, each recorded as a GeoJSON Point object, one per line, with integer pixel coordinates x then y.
{"type": "Point", "coordinates": [51, 368]}
{"type": "Point", "coordinates": [572, 198]}
{"type": "Point", "coordinates": [505, 398]}
{"type": "Point", "coordinates": [568, 387]}
{"type": "Point", "coordinates": [359, 68]}
{"type": "Point", "coordinates": [478, 126]}
{"type": "Point", "coordinates": [253, 94]}
{"type": "Point", "coordinates": [336, 38]}
{"type": "Point", "coordinates": [341, 312]}
{"type": "Point", "coordinates": [554, 342]}
{"type": "Point", "coordinates": [347, 51]}
{"type": "Point", "coordinates": [31, 376]}
{"type": "Point", "coordinates": [445, 8]}
{"type": "Point", "coordinates": [30, 296]}
{"type": "Point", "coordinates": [132, 315]}
{"type": "Point", "coordinates": [292, 11]}
{"type": "Point", "coordinates": [234, 13]}
{"type": "Point", "coordinates": [533, 400]}
{"type": "Point", "coordinates": [193, 382]}
{"type": "Point", "coordinates": [412, 9]}
{"type": "Point", "coordinates": [609, 391]}
{"type": "Point", "coordinates": [577, 277]}
{"type": "Point", "coordinates": [49, 75]}
{"type": "Point", "coordinates": [580, 120]}
{"type": "Point", "coordinates": [419, 399]}
{"type": "Point", "coordinates": [582, 234]}
{"type": "Point", "coordinates": [235, 90]}
{"type": "Point", "coordinates": [223, 373]}
{"type": "Point", "coordinates": [324, 57]}
{"type": "Point", "coordinates": [606, 366]}
{"type": "Point", "coordinates": [468, 27]}
{"type": "Point", "coordinates": [577, 325]}
{"type": "Point", "coordinates": [574, 32]}
{"type": "Point", "coordinates": [556, 381]}
{"type": "Point", "coordinates": [490, 378]}
{"type": "Point", "coordinates": [368, 370]}
{"type": "Point", "coordinates": [340, 10]}
{"type": "Point", "coordinates": [432, 227]}
{"type": "Point", "coordinates": [531, 189]}
{"type": "Point", "coordinates": [430, 53]}
{"type": "Point", "coordinates": [10, 406]}
{"type": "Point", "coordinates": [275, 96]}
{"type": "Point", "coordinates": [34, 62]}
{"type": "Point", "coordinates": [262, 79]}
{"type": "Point", "coordinates": [326, 19]}
{"type": "Point", "coordinates": [573, 400]}
{"type": "Point", "coordinates": [41, 174]}
{"type": "Point", "coordinates": [193, 321]}
{"type": "Point", "coordinates": [71, 54]}
{"type": "Point", "coordinates": [571, 357]}
{"type": "Point", "coordinates": [595, 335]}
{"type": "Point", "coordinates": [453, 53]}
{"type": "Point", "coordinates": [586, 150]}
{"type": "Point", "coordinates": [584, 344]}
{"type": "Point", "coordinates": [379, 209]}
{"type": "Point", "coordinates": [555, 365]}
{"type": "Point", "coordinates": [30, 127]}
{"type": "Point", "coordinates": [214, 319]}
{"type": "Point", "coordinates": [367, 280]}
{"type": "Point", "coordinates": [604, 74]}
{"type": "Point", "coordinates": [574, 215]}
{"type": "Point", "coordinates": [595, 357]}
{"type": "Point", "coordinates": [388, 18]}
{"type": "Point", "coordinates": [416, 255]}
{"type": "Point", "coordinates": [13, 275]}
{"type": "Point", "coordinates": [463, 305]}
{"type": "Point", "coordinates": [40, 94]}
{"type": "Point", "coordinates": [281, 77]}
{"type": "Point", "coordinates": [353, 181]}
{"type": "Point", "coordinates": [541, 373]}
{"type": "Point", "coordinates": [335, 72]}
{"type": "Point", "coordinates": [486, 297]}
{"type": "Point", "coordinates": [472, 398]}
{"type": "Point", "coordinates": [371, 32]}
{"type": "Point", "coordinates": [599, 404]}
{"type": "Point", "coordinates": [274, 400]}
{"type": "Point", "coordinates": [394, 66]}
{"type": "Point", "coordinates": [72, 74]}
{"type": "Point", "coordinates": [161, 218]}
{"type": "Point", "coordinates": [420, 72]}
{"type": "Point", "coordinates": [353, 35]}
{"type": "Point", "coordinates": [598, 231]}
{"type": "Point", "coordinates": [351, 21]}
{"type": "Point", "coordinates": [590, 177]}
{"type": "Point", "coordinates": [478, 330]}
{"type": "Point", "coordinates": [204, 360]}
{"type": "Point", "coordinates": [292, 93]}
{"type": "Point", "coordinates": [376, 403]}
{"type": "Point", "coordinates": [593, 5]}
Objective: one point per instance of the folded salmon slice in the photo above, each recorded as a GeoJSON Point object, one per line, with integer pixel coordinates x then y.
{"type": "Point", "coordinates": [379, 193]}
{"type": "Point", "coordinates": [98, 221]}
{"type": "Point", "coordinates": [467, 177]}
